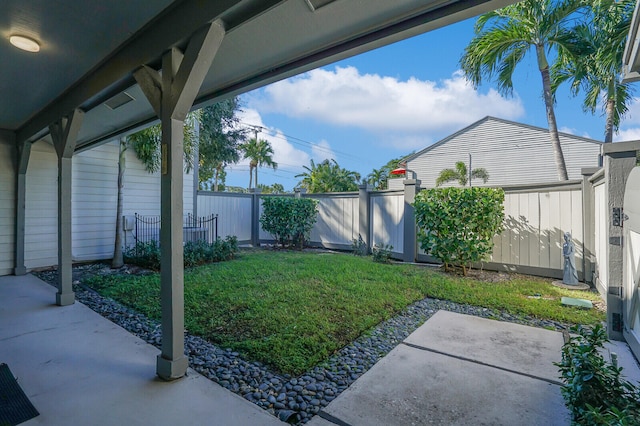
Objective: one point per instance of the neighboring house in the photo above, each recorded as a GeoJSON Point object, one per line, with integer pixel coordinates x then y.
{"type": "Point", "coordinates": [512, 153]}
{"type": "Point", "coordinates": [93, 198]}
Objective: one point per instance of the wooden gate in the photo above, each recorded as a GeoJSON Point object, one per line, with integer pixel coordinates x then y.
{"type": "Point", "coordinates": [631, 265]}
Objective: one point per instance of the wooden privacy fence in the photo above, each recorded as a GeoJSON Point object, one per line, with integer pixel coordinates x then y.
{"type": "Point", "coordinates": [536, 217]}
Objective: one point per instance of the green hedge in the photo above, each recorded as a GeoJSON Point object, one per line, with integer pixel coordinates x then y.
{"type": "Point", "coordinates": [457, 225]}
{"type": "Point", "coordinates": [289, 220]}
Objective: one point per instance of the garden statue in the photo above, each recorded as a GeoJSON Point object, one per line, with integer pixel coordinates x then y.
{"type": "Point", "coordinates": [570, 275]}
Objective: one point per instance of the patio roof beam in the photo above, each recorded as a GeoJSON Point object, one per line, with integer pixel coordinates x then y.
{"type": "Point", "coordinates": [64, 133]}
{"type": "Point", "coordinates": [23, 154]}
{"type": "Point", "coordinates": [171, 94]}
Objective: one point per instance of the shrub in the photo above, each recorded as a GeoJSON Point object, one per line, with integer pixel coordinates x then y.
{"type": "Point", "coordinates": [382, 253]}
{"type": "Point", "coordinates": [457, 225]}
{"type": "Point", "coordinates": [147, 255]}
{"type": "Point", "coordinates": [359, 247]}
{"type": "Point", "coordinates": [289, 220]}
{"type": "Point", "coordinates": [594, 391]}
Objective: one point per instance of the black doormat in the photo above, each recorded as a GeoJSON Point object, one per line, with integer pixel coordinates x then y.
{"type": "Point", "coordinates": [15, 407]}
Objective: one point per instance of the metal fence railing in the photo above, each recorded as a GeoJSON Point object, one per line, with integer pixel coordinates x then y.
{"type": "Point", "coordinates": [204, 228]}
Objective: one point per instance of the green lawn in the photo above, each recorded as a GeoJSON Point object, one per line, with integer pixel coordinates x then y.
{"type": "Point", "coordinates": [291, 310]}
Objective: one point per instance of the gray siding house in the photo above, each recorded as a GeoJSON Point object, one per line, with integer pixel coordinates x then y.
{"type": "Point", "coordinates": [512, 153]}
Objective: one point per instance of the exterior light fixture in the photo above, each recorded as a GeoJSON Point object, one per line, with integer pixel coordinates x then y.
{"type": "Point", "coordinates": [24, 43]}
{"type": "Point", "coordinates": [399, 171]}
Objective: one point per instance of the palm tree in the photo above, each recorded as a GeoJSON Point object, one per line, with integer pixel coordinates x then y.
{"type": "Point", "coordinates": [378, 178]}
{"type": "Point", "coordinates": [260, 153]}
{"type": "Point", "coordinates": [598, 69]}
{"type": "Point", "coordinates": [504, 37]}
{"type": "Point", "coordinates": [328, 176]}
{"type": "Point", "coordinates": [461, 174]}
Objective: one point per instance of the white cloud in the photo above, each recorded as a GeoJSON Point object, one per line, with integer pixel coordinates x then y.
{"type": "Point", "coordinates": [284, 153]}
{"type": "Point", "coordinates": [322, 151]}
{"type": "Point", "coordinates": [633, 114]}
{"type": "Point", "coordinates": [385, 105]}
{"type": "Point", "coordinates": [631, 134]}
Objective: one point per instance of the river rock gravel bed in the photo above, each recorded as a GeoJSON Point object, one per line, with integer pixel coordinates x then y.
{"type": "Point", "coordinates": [292, 399]}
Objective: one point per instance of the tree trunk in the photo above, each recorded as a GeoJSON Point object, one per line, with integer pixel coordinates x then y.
{"type": "Point", "coordinates": [543, 65]}
{"type": "Point", "coordinates": [215, 180]}
{"type": "Point", "coordinates": [250, 175]}
{"type": "Point", "coordinates": [256, 176]}
{"type": "Point", "coordinates": [610, 111]}
{"type": "Point", "coordinates": [118, 261]}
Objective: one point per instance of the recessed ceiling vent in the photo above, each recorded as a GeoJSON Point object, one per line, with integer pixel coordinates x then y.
{"type": "Point", "coordinates": [118, 100]}
{"type": "Point", "coordinates": [317, 4]}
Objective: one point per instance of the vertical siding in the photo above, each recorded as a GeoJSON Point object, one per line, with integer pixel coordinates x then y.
{"type": "Point", "coordinates": [387, 219]}
{"type": "Point", "coordinates": [513, 154]}
{"type": "Point", "coordinates": [233, 210]}
{"type": "Point", "coordinates": [535, 223]}
{"type": "Point", "coordinates": [337, 221]}
{"type": "Point", "coordinates": [7, 208]}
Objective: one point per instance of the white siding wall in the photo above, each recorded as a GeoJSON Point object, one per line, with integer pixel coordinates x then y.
{"type": "Point", "coordinates": [7, 208]}
{"type": "Point", "coordinates": [513, 154]}
{"type": "Point", "coordinates": [338, 220]}
{"type": "Point", "coordinates": [234, 213]}
{"type": "Point", "coordinates": [535, 223]}
{"type": "Point", "coordinates": [94, 195]}
{"type": "Point", "coordinates": [387, 219]}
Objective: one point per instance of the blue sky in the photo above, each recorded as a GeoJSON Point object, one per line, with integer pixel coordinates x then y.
{"type": "Point", "coordinates": [366, 110]}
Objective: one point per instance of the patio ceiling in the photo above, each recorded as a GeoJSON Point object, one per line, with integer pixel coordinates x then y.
{"type": "Point", "coordinates": [89, 50]}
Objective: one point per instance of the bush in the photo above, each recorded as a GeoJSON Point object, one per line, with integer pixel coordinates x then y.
{"type": "Point", "coordinates": [289, 220]}
{"type": "Point", "coordinates": [359, 247]}
{"type": "Point", "coordinates": [382, 253]}
{"type": "Point", "coordinates": [457, 225]}
{"type": "Point", "coordinates": [147, 255]}
{"type": "Point", "coordinates": [594, 391]}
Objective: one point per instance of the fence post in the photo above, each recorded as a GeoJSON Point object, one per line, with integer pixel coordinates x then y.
{"type": "Point", "coordinates": [255, 217]}
{"type": "Point", "coordinates": [588, 225]}
{"type": "Point", "coordinates": [619, 160]}
{"type": "Point", "coordinates": [364, 215]}
{"type": "Point", "coordinates": [299, 192]}
{"type": "Point", "coordinates": [410, 248]}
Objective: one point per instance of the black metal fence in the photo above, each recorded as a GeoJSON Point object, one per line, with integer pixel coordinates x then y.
{"type": "Point", "coordinates": [205, 228]}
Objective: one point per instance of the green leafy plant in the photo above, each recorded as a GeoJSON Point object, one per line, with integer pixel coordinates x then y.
{"type": "Point", "coordinates": [359, 247]}
{"type": "Point", "coordinates": [147, 255]}
{"type": "Point", "coordinates": [289, 220]}
{"type": "Point", "coordinates": [457, 225]}
{"type": "Point", "coordinates": [594, 390]}
{"type": "Point", "coordinates": [382, 252]}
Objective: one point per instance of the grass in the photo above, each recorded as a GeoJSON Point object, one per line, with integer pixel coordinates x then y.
{"type": "Point", "coordinates": [292, 310]}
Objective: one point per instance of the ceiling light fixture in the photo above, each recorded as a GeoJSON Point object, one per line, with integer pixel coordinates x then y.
{"type": "Point", "coordinates": [25, 43]}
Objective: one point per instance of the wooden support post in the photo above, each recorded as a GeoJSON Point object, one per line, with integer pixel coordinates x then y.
{"type": "Point", "coordinates": [64, 133]}
{"type": "Point", "coordinates": [171, 94]}
{"type": "Point", "coordinates": [23, 154]}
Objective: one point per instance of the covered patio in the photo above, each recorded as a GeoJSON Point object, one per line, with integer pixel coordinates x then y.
{"type": "Point", "coordinates": [98, 70]}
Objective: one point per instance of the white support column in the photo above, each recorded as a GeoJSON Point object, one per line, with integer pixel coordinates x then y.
{"type": "Point", "coordinates": [171, 94]}
{"type": "Point", "coordinates": [23, 154]}
{"type": "Point", "coordinates": [64, 133]}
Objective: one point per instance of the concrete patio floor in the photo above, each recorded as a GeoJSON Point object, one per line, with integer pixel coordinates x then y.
{"type": "Point", "coordinates": [79, 368]}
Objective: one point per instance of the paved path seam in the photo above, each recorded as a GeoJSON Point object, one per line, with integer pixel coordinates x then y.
{"type": "Point", "coordinates": [462, 358]}
{"type": "Point", "coordinates": [336, 421]}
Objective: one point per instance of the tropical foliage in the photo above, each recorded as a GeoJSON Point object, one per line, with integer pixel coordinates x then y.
{"type": "Point", "coordinates": [461, 175]}
{"type": "Point", "coordinates": [457, 225]}
{"type": "Point", "coordinates": [379, 178]}
{"type": "Point", "coordinates": [328, 176]}
{"type": "Point", "coordinates": [274, 188]}
{"type": "Point", "coordinates": [260, 153]}
{"type": "Point", "coordinates": [597, 69]}
{"type": "Point", "coordinates": [219, 143]}
{"type": "Point", "coordinates": [505, 36]}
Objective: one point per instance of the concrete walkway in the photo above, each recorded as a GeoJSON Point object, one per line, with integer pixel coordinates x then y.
{"type": "Point", "coordinates": [78, 368]}
{"type": "Point", "coordinates": [459, 370]}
